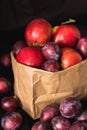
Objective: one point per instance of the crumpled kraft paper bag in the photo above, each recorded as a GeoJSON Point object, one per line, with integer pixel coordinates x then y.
{"type": "Point", "coordinates": [36, 88]}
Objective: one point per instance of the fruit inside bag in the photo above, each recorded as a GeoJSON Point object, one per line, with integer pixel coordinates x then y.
{"type": "Point", "coordinates": [36, 88]}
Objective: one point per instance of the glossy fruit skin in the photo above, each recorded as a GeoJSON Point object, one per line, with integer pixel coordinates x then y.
{"type": "Point", "coordinates": [69, 57]}
{"type": "Point", "coordinates": [10, 103]}
{"type": "Point", "coordinates": [5, 86]}
{"type": "Point", "coordinates": [11, 121]}
{"type": "Point", "coordinates": [67, 35]}
{"type": "Point", "coordinates": [82, 116]}
{"type": "Point", "coordinates": [31, 56]}
{"type": "Point", "coordinates": [60, 123]}
{"type": "Point", "coordinates": [40, 125]}
{"type": "Point", "coordinates": [38, 31]}
{"type": "Point", "coordinates": [5, 60]}
{"type": "Point", "coordinates": [51, 51]}
{"type": "Point", "coordinates": [79, 125]}
{"type": "Point", "coordinates": [82, 46]}
{"type": "Point", "coordinates": [18, 45]}
{"type": "Point", "coordinates": [48, 112]}
{"type": "Point", "coordinates": [51, 65]}
{"type": "Point", "coordinates": [70, 107]}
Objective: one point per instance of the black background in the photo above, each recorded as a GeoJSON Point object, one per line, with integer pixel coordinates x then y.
{"type": "Point", "coordinates": [15, 14]}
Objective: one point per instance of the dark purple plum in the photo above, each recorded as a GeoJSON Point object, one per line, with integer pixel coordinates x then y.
{"type": "Point", "coordinates": [49, 111]}
{"type": "Point", "coordinates": [51, 65]}
{"type": "Point", "coordinates": [10, 103]}
{"type": "Point", "coordinates": [82, 46]}
{"type": "Point", "coordinates": [82, 116]}
{"type": "Point", "coordinates": [60, 123]}
{"type": "Point", "coordinates": [11, 121]}
{"type": "Point", "coordinates": [51, 51]}
{"type": "Point", "coordinates": [40, 125]}
{"type": "Point", "coordinates": [18, 45]}
{"type": "Point", "coordinates": [5, 60]}
{"type": "Point", "coordinates": [79, 125]}
{"type": "Point", "coordinates": [70, 107]}
{"type": "Point", "coordinates": [5, 85]}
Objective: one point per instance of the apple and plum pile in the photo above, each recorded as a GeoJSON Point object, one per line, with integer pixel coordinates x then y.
{"type": "Point", "coordinates": [51, 48]}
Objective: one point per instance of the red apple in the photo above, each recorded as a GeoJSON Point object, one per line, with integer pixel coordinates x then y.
{"type": "Point", "coordinates": [38, 32]}
{"type": "Point", "coordinates": [31, 56]}
{"type": "Point", "coordinates": [69, 57]}
{"type": "Point", "coordinates": [67, 35]}
{"type": "Point", "coordinates": [82, 46]}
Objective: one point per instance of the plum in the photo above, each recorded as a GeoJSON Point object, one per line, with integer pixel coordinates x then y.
{"type": "Point", "coordinates": [49, 111]}
{"type": "Point", "coordinates": [11, 121]}
{"type": "Point", "coordinates": [40, 125]}
{"type": "Point", "coordinates": [51, 51]}
{"type": "Point", "coordinates": [82, 116]}
{"type": "Point", "coordinates": [51, 65]}
{"type": "Point", "coordinates": [70, 107]}
{"type": "Point", "coordinates": [18, 45]}
{"type": "Point", "coordinates": [10, 103]}
{"type": "Point", "coordinates": [5, 60]}
{"type": "Point", "coordinates": [5, 86]}
{"type": "Point", "coordinates": [79, 125]}
{"type": "Point", "coordinates": [82, 46]}
{"type": "Point", "coordinates": [60, 123]}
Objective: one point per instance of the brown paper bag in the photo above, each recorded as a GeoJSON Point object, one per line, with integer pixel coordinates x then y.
{"type": "Point", "coordinates": [36, 88]}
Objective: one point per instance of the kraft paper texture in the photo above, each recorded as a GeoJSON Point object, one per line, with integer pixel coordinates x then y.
{"type": "Point", "coordinates": [37, 88]}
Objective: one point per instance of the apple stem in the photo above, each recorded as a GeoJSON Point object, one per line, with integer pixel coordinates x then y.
{"type": "Point", "coordinates": [69, 21]}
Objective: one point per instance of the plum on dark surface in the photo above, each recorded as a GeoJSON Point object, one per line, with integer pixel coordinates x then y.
{"type": "Point", "coordinates": [18, 45]}
{"type": "Point", "coordinates": [82, 46]}
{"type": "Point", "coordinates": [79, 125]}
{"type": "Point", "coordinates": [51, 51]}
{"type": "Point", "coordinates": [40, 125]}
{"type": "Point", "coordinates": [48, 112]}
{"type": "Point", "coordinates": [70, 107]}
{"type": "Point", "coordinates": [5, 86]}
{"type": "Point", "coordinates": [11, 121]}
{"type": "Point", "coordinates": [82, 116]}
{"type": "Point", "coordinates": [60, 123]}
{"type": "Point", "coordinates": [51, 65]}
{"type": "Point", "coordinates": [10, 103]}
{"type": "Point", "coordinates": [5, 60]}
